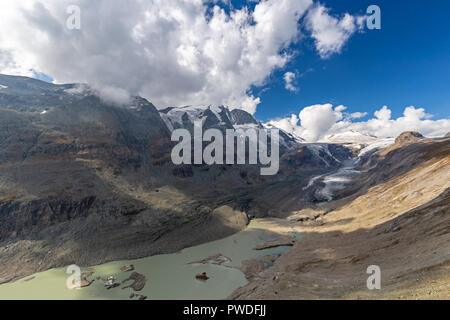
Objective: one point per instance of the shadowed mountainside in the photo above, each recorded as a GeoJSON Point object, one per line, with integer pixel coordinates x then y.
{"type": "Point", "coordinates": [83, 181]}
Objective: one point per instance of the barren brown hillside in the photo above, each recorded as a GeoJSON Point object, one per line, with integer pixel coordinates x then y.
{"type": "Point", "coordinates": [401, 223]}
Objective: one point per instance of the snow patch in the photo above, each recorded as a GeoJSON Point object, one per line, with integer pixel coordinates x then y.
{"type": "Point", "coordinates": [351, 137]}
{"type": "Point", "coordinates": [381, 144]}
{"type": "Point", "coordinates": [319, 149]}
{"type": "Point", "coordinates": [216, 110]}
{"type": "Point", "coordinates": [338, 180]}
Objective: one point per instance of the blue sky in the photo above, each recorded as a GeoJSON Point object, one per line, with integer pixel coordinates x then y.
{"type": "Point", "coordinates": [405, 63]}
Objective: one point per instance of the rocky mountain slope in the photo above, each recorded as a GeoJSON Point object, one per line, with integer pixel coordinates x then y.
{"type": "Point", "coordinates": [395, 215]}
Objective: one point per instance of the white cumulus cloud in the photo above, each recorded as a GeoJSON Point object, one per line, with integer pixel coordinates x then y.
{"type": "Point", "coordinates": [331, 33]}
{"type": "Point", "coordinates": [173, 52]}
{"type": "Point", "coordinates": [316, 122]}
{"type": "Point", "coordinates": [289, 78]}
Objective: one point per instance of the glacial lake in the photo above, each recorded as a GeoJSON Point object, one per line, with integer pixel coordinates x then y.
{"type": "Point", "coordinates": [169, 276]}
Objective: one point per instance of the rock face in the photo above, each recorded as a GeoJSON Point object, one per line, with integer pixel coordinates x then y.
{"type": "Point", "coordinates": [202, 276]}
{"type": "Point", "coordinates": [138, 281]}
{"type": "Point", "coordinates": [230, 218]}
{"type": "Point", "coordinates": [314, 156]}
{"type": "Point", "coordinates": [409, 137]}
{"type": "Point", "coordinates": [127, 268]}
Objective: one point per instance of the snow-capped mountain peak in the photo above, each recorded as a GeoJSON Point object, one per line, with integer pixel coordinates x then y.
{"type": "Point", "coordinates": [220, 117]}
{"type": "Point", "coordinates": [364, 142]}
